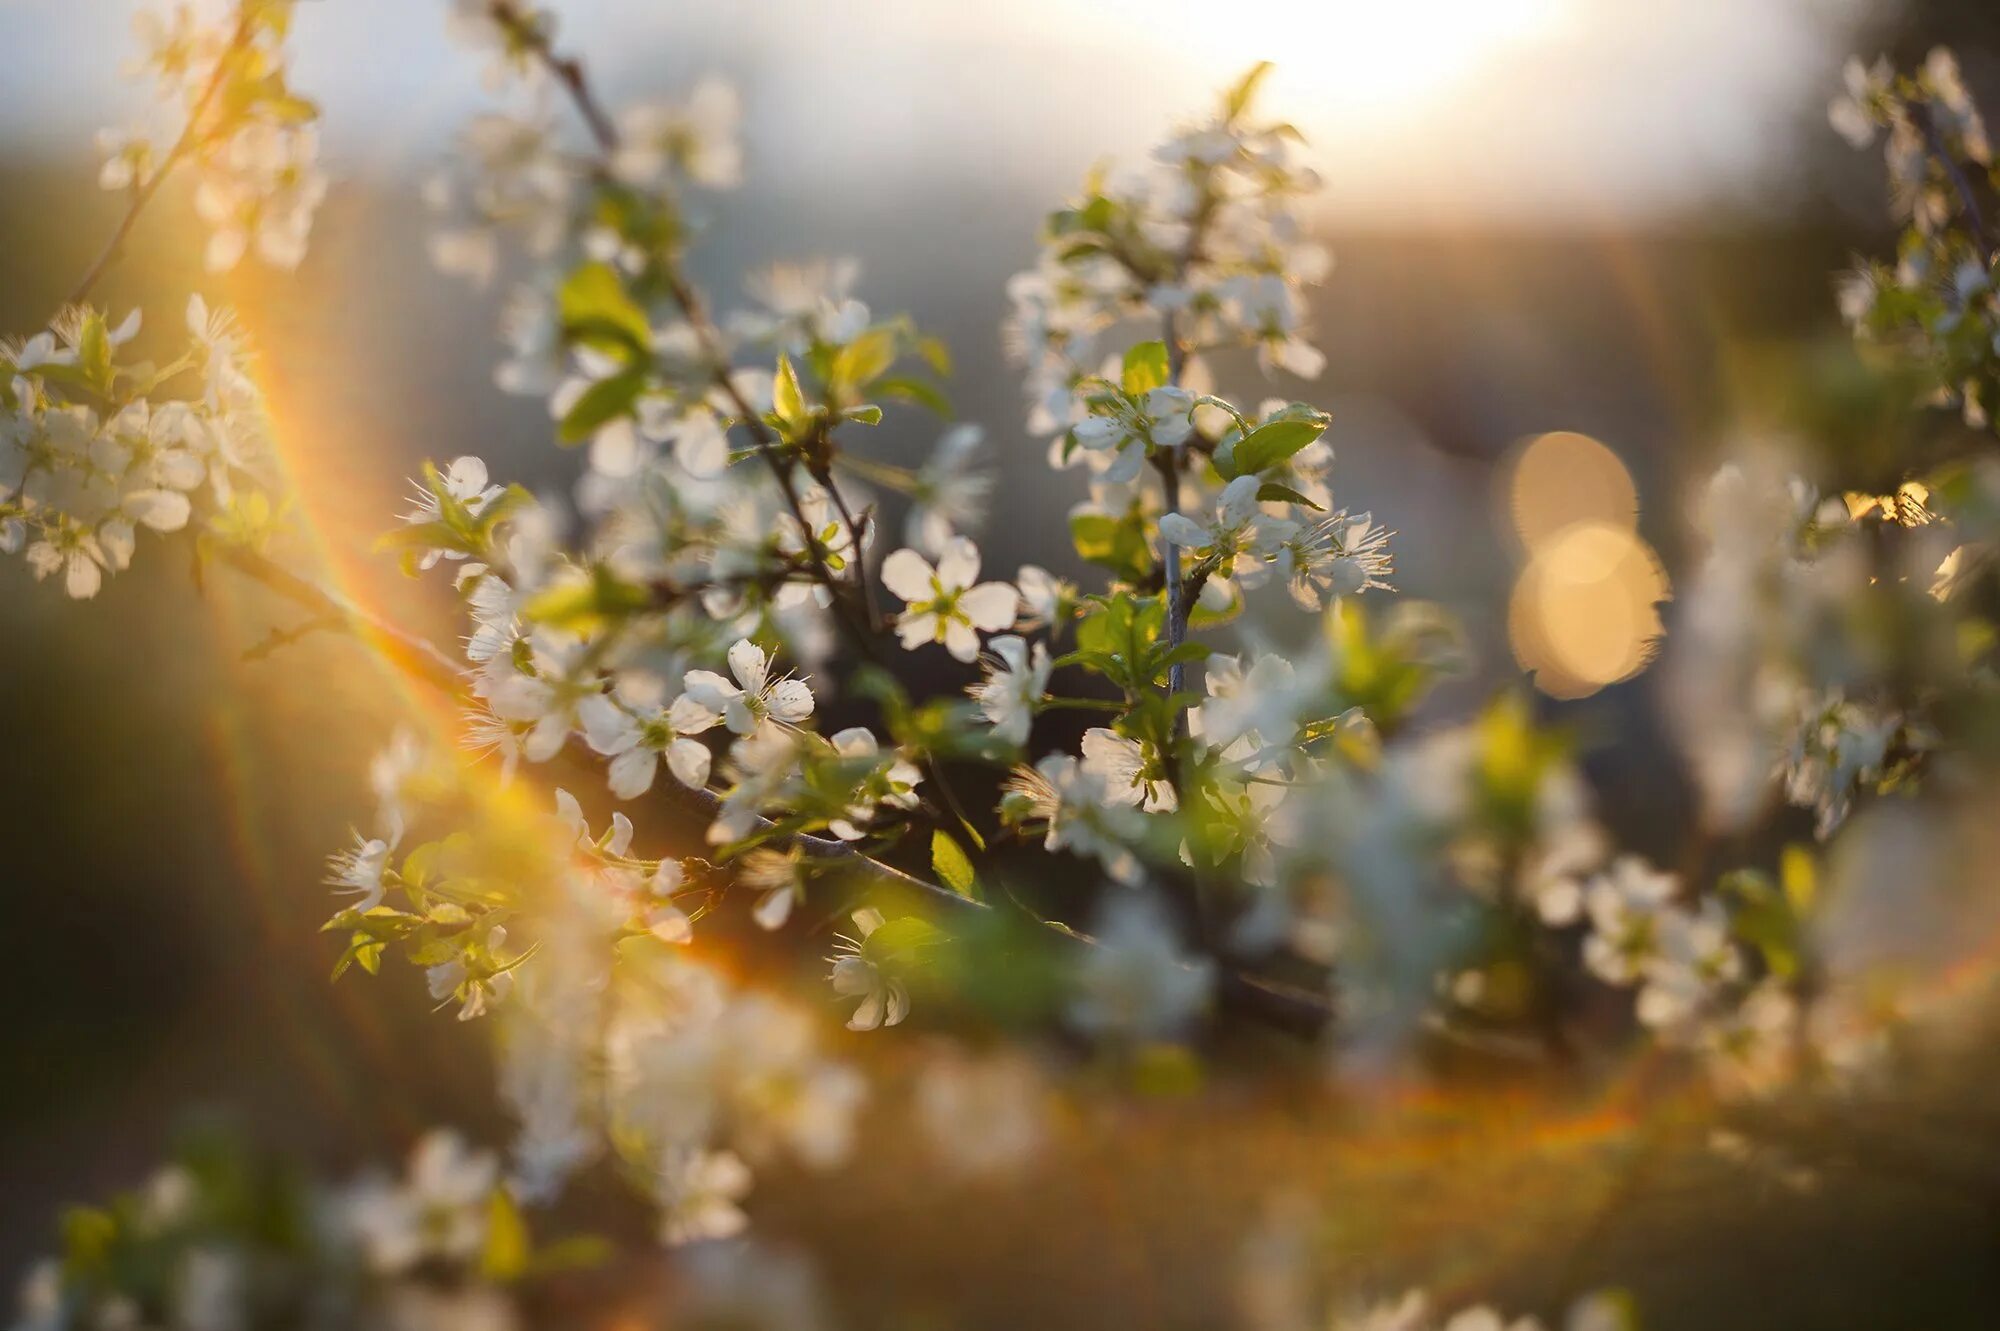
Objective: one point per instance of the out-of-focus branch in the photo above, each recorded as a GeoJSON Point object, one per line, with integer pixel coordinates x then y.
{"type": "Point", "coordinates": [142, 194]}
{"type": "Point", "coordinates": [568, 71]}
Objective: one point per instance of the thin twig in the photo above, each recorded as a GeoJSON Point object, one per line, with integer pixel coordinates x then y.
{"type": "Point", "coordinates": [569, 72]}
{"type": "Point", "coordinates": [143, 194]}
{"type": "Point", "coordinates": [1927, 125]}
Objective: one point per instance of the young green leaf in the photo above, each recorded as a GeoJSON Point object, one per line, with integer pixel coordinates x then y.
{"type": "Point", "coordinates": [1145, 368]}
{"type": "Point", "coordinates": [952, 867]}
{"type": "Point", "coordinates": [1274, 442]}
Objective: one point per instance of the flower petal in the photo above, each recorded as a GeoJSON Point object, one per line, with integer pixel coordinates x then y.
{"type": "Point", "coordinates": [959, 564]}
{"type": "Point", "coordinates": [990, 606]}
{"type": "Point", "coordinates": [909, 575]}
{"type": "Point", "coordinates": [749, 664]}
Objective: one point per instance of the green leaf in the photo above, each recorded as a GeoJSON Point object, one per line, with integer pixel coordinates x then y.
{"type": "Point", "coordinates": [900, 939]}
{"type": "Point", "coordinates": [1114, 542]}
{"type": "Point", "coordinates": [88, 1234]}
{"type": "Point", "coordinates": [1145, 368]}
{"type": "Point", "coordinates": [93, 351]}
{"type": "Point", "coordinates": [865, 359]}
{"type": "Point", "coordinates": [505, 1257]}
{"type": "Point", "coordinates": [588, 604]}
{"type": "Point", "coordinates": [936, 355]}
{"type": "Point", "coordinates": [605, 401]}
{"type": "Point", "coordinates": [908, 389]}
{"type": "Point", "coordinates": [1237, 100]}
{"type": "Point", "coordinates": [1272, 492]}
{"type": "Point", "coordinates": [1274, 442]}
{"type": "Point", "coordinates": [786, 399]}
{"type": "Point", "coordinates": [954, 870]}
{"type": "Point", "coordinates": [578, 1252]}
{"type": "Point", "coordinates": [869, 414]}
{"type": "Point", "coordinates": [596, 308]}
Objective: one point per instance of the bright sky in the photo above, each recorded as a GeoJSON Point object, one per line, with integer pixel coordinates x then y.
{"type": "Point", "coordinates": [1447, 109]}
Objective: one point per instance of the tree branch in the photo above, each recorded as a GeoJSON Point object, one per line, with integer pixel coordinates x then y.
{"type": "Point", "coordinates": [143, 194]}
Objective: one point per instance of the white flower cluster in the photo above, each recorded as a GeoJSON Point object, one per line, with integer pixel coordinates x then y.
{"type": "Point", "coordinates": [1938, 303]}
{"type": "Point", "coordinates": [1208, 234]}
{"type": "Point", "coordinates": [610, 1034]}
{"type": "Point", "coordinates": [1777, 677]}
{"type": "Point", "coordinates": [252, 139]}
{"type": "Point", "coordinates": [225, 1238]}
{"type": "Point", "coordinates": [91, 450]}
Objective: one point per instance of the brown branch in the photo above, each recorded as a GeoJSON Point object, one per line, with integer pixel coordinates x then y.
{"type": "Point", "coordinates": [144, 192]}
{"type": "Point", "coordinates": [1934, 141]}
{"type": "Point", "coordinates": [568, 71]}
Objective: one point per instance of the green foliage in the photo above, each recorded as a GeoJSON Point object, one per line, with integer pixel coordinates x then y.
{"type": "Point", "coordinates": [953, 868]}
{"type": "Point", "coordinates": [597, 312]}
{"type": "Point", "coordinates": [605, 401]}
{"type": "Point", "coordinates": [1269, 445]}
{"type": "Point", "coordinates": [1122, 637]}
{"type": "Point", "coordinates": [1119, 542]}
{"type": "Point", "coordinates": [589, 604]}
{"type": "Point", "coordinates": [457, 527]}
{"type": "Point", "coordinates": [1145, 368]}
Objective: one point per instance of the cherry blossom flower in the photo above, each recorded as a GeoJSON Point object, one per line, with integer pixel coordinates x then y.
{"type": "Point", "coordinates": [1340, 556]}
{"type": "Point", "coordinates": [943, 603]}
{"type": "Point", "coordinates": [635, 739]}
{"type": "Point", "coordinates": [753, 703]}
{"type": "Point", "coordinates": [1127, 429]}
{"type": "Point", "coordinates": [1132, 773]}
{"type": "Point", "coordinates": [697, 140]}
{"type": "Point", "coordinates": [885, 1000]}
{"type": "Point", "coordinates": [947, 498]}
{"type": "Point", "coordinates": [1237, 537]}
{"type": "Point", "coordinates": [698, 1192]}
{"type": "Point", "coordinates": [1016, 681]}
{"type": "Point", "coordinates": [1625, 905]}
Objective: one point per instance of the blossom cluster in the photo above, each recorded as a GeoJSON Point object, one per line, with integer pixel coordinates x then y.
{"type": "Point", "coordinates": [226, 1237]}
{"type": "Point", "coordinates": [96, 445]}
{"type": "Point", "coordinates": [615, 1037]}
{"type": "Point", "coordinates": [1936, 304]}
{"type": "Point", "coordinates": [718, 582]}
{"type": "Point", "coordinates": [251, 137]}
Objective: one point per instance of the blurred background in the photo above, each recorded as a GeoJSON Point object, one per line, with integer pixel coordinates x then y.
{"type": "Point", "coordinates": [1585, 216]}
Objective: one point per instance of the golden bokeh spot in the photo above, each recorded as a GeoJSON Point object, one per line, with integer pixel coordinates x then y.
{"type": "Point", "coordinates": [1555, 480]}
{"type": "Point", "coordinates": [1584, 612]}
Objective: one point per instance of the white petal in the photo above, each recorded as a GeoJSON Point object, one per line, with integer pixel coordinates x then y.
{"type": "Point", "coordinates": [791, 701]}
{"type": "Point", "coordinates": [162, 510]}
{"type": "Point", "coordinates": [1183, 530]}
{"type": "Point", "coordinates": [83, 577]}
{"type": "Point", "coordinates": [909, 575]}
{"type": "Point", "coordinates": [606, 727]}
{"type": "Point", "coordinates": [774, 908]}
{"type": "Point", "coordinates": [961, 640]}
{"type": "Point", "coordinates": [749, 664]}
{"type": "Point", "coordinates": [1238, 502]}
{"type": "Point", "coordinates": [688, 760]}
{"type": "Point", "coordinates": [669, 925]}
{"type": "Point", "coordinates": [689, 715]}
{"type": "Point", "coordinates": [916, 630]}
{"type": "Point", "coordinates": [571, 814]}
{"type": "Point", "coordinates": [990, 606]}
{"type": "Point", "coordinates": [959, 564]}
{"type": "Point", "coordinates": [700, 446]}
{"type": "Point", "coordinates": [868, 1016]}
{"type": "Point", "coordinates": [632, 772]}
{"type": "Point", "coordinates": [707, 691]}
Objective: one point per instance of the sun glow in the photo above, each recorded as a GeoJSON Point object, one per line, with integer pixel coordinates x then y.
{"type": "Point", "coordinates": [1351, 54]}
